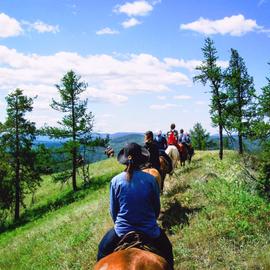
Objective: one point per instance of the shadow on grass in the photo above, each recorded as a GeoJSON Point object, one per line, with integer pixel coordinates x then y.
{"type": "Point", "coordinates": [62, 200]}
{"type": "Point", "coordinates": [176, 214]}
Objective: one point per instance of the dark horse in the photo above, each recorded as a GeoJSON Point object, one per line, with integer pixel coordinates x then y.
{"type": "Point", "coordinates": [164, 169]}
{"type": "Point", "coordinates": [190, 153]}
{"type": "Point", "coordinates": [132, 258]}
{"type": "Point", "coordinates": [183, 154]}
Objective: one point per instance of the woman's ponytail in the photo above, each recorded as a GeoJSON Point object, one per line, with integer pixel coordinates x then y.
{"type": "Point", "coordinates": [130, 168]}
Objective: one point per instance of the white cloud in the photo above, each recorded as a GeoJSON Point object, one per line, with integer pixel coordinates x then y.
{"type": "Point", "coordinates": [163, 106]}
{"type": "Point", "coordinates": [235, 25]}
{"type": "Point", "coordinates": [42, 27]}
{"type": "Point", "coordinates": [161, 97]}
{"type": "Point", "coordinates": [190, 64]}
{"type": "Point", "coordinates": [182, 97]}
{"type": "Point", "coordinates": [130, 23]}
{"type": "Point", "coordinates": [107, 31]}
{"type": "Point", "coordinates": [111, 79]}
{"type": "Point", "coordinates": [9, 27]}
{"type": "Point", "coordinates": [137, 8]}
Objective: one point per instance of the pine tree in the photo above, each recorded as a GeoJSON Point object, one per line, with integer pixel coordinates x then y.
{"type": "Point", "coordinates": [199, 137]}
{"type": "Point", "coordinates": [76, 124]}
{"type": "Point", "coordinates": [262, 127]}
{"type": "Point", "coordinates": [17, 138]}
{"type": "Point", "coordinates": [210, 72]}
{"type": "Point", "coordinates": [241, 97]}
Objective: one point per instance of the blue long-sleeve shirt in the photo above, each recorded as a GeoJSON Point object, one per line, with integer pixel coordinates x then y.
{"type": "Point", "coordinates": [135, 204]}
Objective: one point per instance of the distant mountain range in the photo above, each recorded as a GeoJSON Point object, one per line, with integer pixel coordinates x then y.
{"type": "Point", "coordinates": [120, 139]}
{"type": "Point", "coordinates": [117, 141]}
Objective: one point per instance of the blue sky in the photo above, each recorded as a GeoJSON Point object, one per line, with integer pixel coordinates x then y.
{"type": "Point", "coordinates": [138, 57]}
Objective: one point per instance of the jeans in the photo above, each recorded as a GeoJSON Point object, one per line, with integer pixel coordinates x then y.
{"type": "Point", "coordinates": [110, 241]}
{"type": "Point", "coordinates": [108, 244]}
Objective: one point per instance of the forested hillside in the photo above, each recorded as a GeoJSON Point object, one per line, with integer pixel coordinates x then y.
{"type": "Point", "coordinates": [211, 210]}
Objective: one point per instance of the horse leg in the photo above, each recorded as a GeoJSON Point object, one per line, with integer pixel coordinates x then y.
{"type": "Point", "coordinates": [162, 183]}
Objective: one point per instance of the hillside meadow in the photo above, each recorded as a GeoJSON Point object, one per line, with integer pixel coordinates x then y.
{"type": "Point", "coordinates": [210, 210]}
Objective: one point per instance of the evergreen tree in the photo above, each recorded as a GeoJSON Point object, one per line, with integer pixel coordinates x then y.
{"type": "Point", "coordinates": [241, 96]}
{"type": "Point", "coordinates": [76, 124]}
{"type": "Point", "coordinates": [17, 138]}
{"type": "Point", "coordinates": [210, 72]}
{"type": "Point", "coordinates": [261, 131]}
{"type": "Point", "coordinates": [199, 137]}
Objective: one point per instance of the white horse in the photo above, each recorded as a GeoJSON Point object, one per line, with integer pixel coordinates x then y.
{"type": "Point", "coordinates": [173, 153]}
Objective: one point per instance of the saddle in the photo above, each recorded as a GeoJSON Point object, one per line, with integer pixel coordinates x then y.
{"type": "Point", "coordinates": [139, 240]}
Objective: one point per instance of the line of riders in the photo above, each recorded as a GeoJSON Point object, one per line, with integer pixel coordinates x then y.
{"type": "Point", "coordinates": [136, 241]}
{"type": "Point", "coordinates": [158, 144]}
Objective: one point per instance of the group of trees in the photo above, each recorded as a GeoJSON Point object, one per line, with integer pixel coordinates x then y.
{"type": "Point", "coordinates": [235, 107]}
{"type": "Point", "coordinates": [22, 164]}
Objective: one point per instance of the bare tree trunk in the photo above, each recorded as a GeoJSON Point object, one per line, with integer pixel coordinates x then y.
{"type": "Point", "coordinates": [17, 173]}
{"type": "Point", "coordinates": [240, 141]}
{"type": "Point", "coordinates": [220, 141]}
{"type": "Point", "coordinates": [74, 150]}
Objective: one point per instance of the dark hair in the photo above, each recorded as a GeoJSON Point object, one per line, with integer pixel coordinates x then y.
{"type": "Point", "coordinates": [181, 130]}
{"type": "Point", "coordinates": [131, 167]}
{"type": "Point", "coordinates": [149, 134]}
{"type": "Point", "coordinates": [172, 126]}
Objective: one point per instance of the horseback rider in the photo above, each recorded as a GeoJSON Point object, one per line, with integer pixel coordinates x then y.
{"type": "Point", "coordinates": [161, 141]}
{"type": "Point", "coordinates": [172, 137]}
{"type": "Point", "coordinates": [162, 145]}
{"type": "Point", "coordinates": [188, 139]}
{"type": "Point", "coordinates": [135, 204]}
{"type": "Point", "coordinates": [152, 146]}
{"type": "Point", "coordinates": [189, 144]}
{"type": "Point", "coordinates": [184, 139]}
{"type": "Point", "coordinates": [109, 151]}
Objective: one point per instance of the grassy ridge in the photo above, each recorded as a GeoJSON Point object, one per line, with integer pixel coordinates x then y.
{"type": "Point", "coordinates": [213, 216]}
{"type": "Point", "coordinates": [224, 224]}
{"type": "Point", "coordinates": [64, 237]}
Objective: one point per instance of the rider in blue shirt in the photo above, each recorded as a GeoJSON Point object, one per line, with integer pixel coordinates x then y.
{"type": "Point", "coordinates": [161, 141]}
{"type": "Point", "coordinates": [135, 204]}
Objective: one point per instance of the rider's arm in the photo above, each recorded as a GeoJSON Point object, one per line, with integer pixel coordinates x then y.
{"type": "Point", "coordinates": [114, 204]}
{"type": "Point", "coordinates": [156, 198]}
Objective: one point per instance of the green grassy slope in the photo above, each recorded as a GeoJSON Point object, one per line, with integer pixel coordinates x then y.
{"type": "Point", "coordinates": [210, 210]}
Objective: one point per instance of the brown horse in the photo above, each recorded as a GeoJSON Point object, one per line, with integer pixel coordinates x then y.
{"type": "Point", "coordinates": [164, 169]}
{"type": "Point", "coordinates": [190, 153]}
{"type": "Point", "coordinates": [156, 174]}
{"type": "Point", "coordinates": [183, 154]}
{"type": "Point", "coordinates": [133, 259]}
